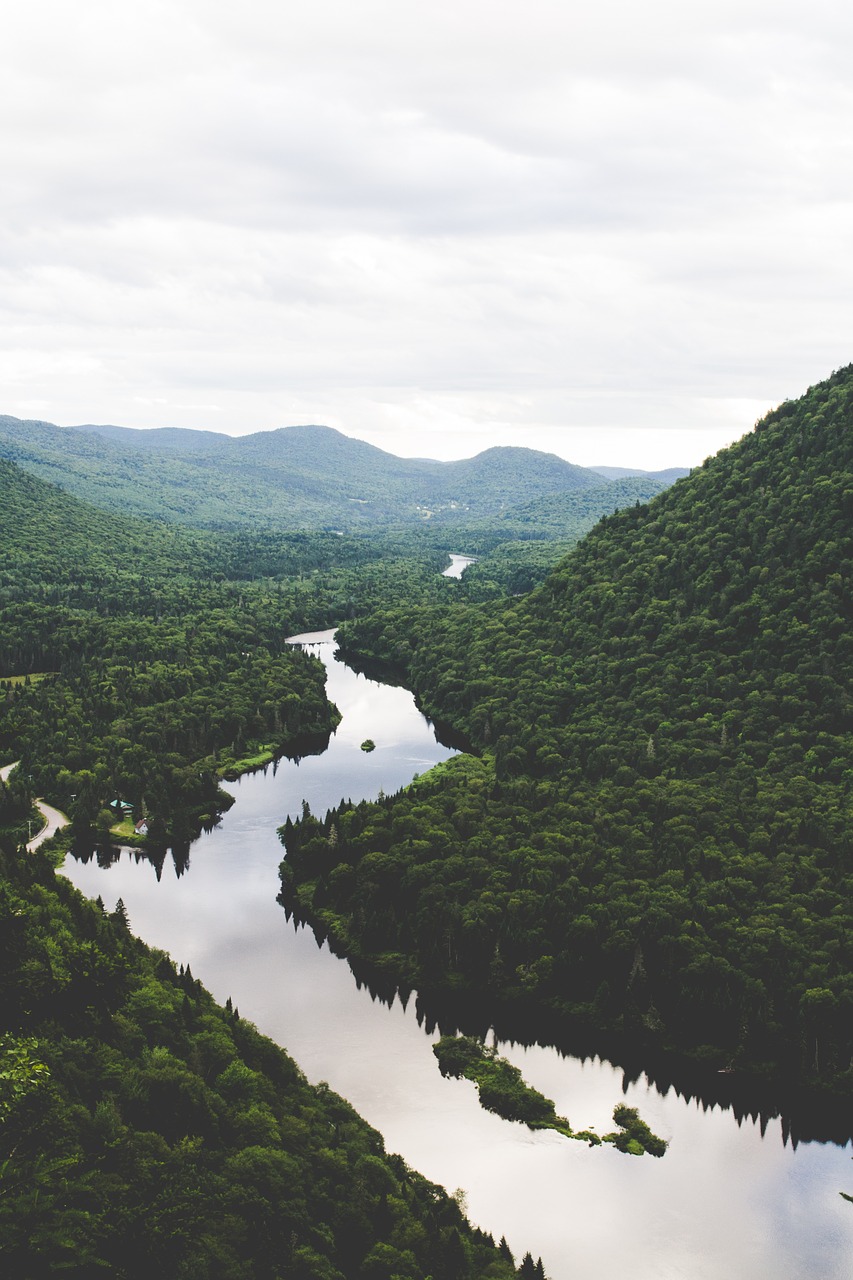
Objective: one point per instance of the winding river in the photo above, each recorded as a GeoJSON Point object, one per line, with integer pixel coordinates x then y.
{"type": "Point", "coordinates": [726, 1201]}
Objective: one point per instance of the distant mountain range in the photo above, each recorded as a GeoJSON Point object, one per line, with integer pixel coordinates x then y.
{"type": "Point", "coordinates": [294, 477]}
{"type": "Point", "coordinates": [668, 476]}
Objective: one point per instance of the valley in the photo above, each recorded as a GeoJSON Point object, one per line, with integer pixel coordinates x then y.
{"type": "Point", "coordinates": [219, 915]}
{"type": "Point", "coordinates": [631, 865]}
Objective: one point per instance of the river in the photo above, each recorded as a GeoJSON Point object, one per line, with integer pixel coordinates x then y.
{"type": "Point", "coordinates": [725, 1201]}
{"type": "Point", "coordinates": [458, 565]}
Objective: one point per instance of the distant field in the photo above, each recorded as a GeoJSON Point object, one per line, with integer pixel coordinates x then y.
{"type": "Point", "coordinates": [34, 677]}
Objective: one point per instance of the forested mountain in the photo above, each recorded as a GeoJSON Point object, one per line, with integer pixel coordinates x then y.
{"type": "Point", "coordinates": [667, 477]}
{"type": "Point", "coordinates": [656, 839]}
{"type": "Point", "coordinates": [517, 548]}
{"type": "Point", "coordinates": [141, 661]}
{"type": "Point", "coordinates": [143, 1130]}
{"type": "Point", "coordinates": [135, 670]}
{"type": "Point", "coordinates": [293, 478]}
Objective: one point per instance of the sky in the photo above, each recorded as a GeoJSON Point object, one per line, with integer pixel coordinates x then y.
{"type": "Point", "coordinates": [620, 233]}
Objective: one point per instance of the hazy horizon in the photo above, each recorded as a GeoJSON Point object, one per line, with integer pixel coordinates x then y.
{"type": "Point", "coordinates": [461, 457]}
{"type": "Point", "coordinates": [617, 232]}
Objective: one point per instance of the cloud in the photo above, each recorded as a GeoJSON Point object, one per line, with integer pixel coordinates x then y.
{"type": "Point", "coordinates": [630, 217]}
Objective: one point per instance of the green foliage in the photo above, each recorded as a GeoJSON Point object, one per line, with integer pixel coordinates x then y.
{"type": "Point", "coordinates": [503, 1090]}
{"type": "Point", "coordinates": [16, 809]}
{"type": "Point", "coordinates": [656, 841]}
{"type": "Point", "coordinates": [146, 1131]}
{"type": "Point", "coordinates": [20, 1072]}
{"type": "Point", "coordinates": [500, 1084]}
{"type": "Point", "coordinates": [144, 662]}
{"type": "Point", "coordinates": [636, 1136]}
{"type": "Point", "coordinates": [294, 478]}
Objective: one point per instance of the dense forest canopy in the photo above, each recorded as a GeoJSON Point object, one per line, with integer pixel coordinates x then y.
{"type": "Point", "coordinates": [655, 840]}
{"type": "Point", "coordinates": [146, 1131]}
{"type": "Point", "coordinates": [143, 1130]}
{"type": "Point", "coordinates": [649, 840]}
{"type": "Point", "coordinates": [141, 661]}
{"type": "Point", "coordinates": [144, 659]}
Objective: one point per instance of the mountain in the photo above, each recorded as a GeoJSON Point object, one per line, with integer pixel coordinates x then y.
{"type": "Point", "coordinates": [144, 1130]}
{"type": "Point", "coordinates": [655, 842]}
{"type": "Point", "coordinates": [668, 476]}
{"type": "Point", "coordinates": [52, 535]}
{"type": "Point", "coordinates": [147, 1131]}
{"type": "Point", "coordinates": [569, 515]}
{"type": "Point", "coordinates": [294, 477]}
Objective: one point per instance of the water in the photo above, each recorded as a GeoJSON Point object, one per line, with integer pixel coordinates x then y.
{"type": "Point", "coordinates": [458, 565]}
{"type": "Point", "coordinates": [724, 1201]}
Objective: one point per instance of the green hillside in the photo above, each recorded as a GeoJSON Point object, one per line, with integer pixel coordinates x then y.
{"type": "Point", "coordinates": [293, 478]}
{"type": "Point", "coordinates": [133, 667]}
{"type": "Point", "coordinates": [518, 548]}
{"type": "Point", "coordinates": [667, 476]}
{"type": "Point", "coordinates": [144, 1130]}
{"type": "Point", "coordinates": [656, 841]}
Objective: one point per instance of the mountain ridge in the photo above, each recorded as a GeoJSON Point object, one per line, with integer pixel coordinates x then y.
{"type": "Point", "coordinates": [656, 839]}
{"type": "Point", "coordinates": [292, 477]}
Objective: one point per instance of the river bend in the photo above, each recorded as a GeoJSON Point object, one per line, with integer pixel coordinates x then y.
{"type": "Point", "coordinates": [724, 1201]}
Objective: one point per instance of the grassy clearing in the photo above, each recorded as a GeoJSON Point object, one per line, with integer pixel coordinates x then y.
{"type": "Point", "coordinates": [123, 830]}
{"type": "Point", "coordinates": [35, 677]}
{"type": "Point", "coordinates": [261, 756]}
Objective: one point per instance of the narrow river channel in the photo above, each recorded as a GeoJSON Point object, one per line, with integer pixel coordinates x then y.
{"type": "Point", "coordinates": [725, 1201]}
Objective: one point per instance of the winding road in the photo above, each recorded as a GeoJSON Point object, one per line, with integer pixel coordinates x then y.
{"type": "Point", "coordinates": [53, 819]}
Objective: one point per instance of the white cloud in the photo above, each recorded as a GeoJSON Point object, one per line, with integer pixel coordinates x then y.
{"type": "Point", "coordinates": [458, 225]}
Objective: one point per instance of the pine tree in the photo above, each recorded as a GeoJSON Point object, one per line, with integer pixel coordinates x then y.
{"type": "Point", "coordinates": [119, 916]}
{"type": "Point", "coordinates": [505, 1251]}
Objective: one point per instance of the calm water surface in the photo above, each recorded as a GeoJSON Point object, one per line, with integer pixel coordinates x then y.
{"type": "Point", "coordinates": [458, 565]}
{"type": "Point", "coordinates": [724, 1202]}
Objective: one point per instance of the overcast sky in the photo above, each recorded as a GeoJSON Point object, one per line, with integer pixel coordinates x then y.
{"type": "Point", "coordinates": [620, 233]}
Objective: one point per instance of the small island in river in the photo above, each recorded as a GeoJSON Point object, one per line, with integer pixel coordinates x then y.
{"type": "Point", "coordinates": [503, 1090]}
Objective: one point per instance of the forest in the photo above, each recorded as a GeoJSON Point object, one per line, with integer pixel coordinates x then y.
{"type": "Point", "coordinates": [142, 662]}
{"type": "Point", "coordinates": [651, 839]}
{"type": "Point", "coordinates": [294, 478]}
{"type": "Point", "coordinates": [146, 1131]}
{"type": "Point", "coordinates": [143, 1129]}
{"type": "Point", "coordinates": [645, 845]}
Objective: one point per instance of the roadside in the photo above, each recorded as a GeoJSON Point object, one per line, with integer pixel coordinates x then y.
{"type": "Point", "coordinates": [54, 820]}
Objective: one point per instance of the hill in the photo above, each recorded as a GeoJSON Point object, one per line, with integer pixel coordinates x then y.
{"type": "Point", "coordinates": [144, 1130]}
{"type": "Point", "coordinates": [668, 476]}
{"type": "Point", "coordinates": [655, 842]}
{"type": "Point", "coordinates": [143, 660]}
{"type": "Point", "coordinates": [520, 546]}
{"type": "Point", "coordinates": [566, 516]}
{"type": "Point", "coordinates": [295, 477]}
{"type": "Point", "coordinates": [52, 536]}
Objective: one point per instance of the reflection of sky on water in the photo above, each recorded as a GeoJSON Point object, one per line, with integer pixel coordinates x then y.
{"type": "Point", "coordinates": [458, 565]}
{"type": "Point", "coordinates": [721, 1203]}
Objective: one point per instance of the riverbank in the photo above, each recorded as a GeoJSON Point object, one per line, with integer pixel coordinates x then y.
{"type": "Point", "coordinates": [726, 1162]}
